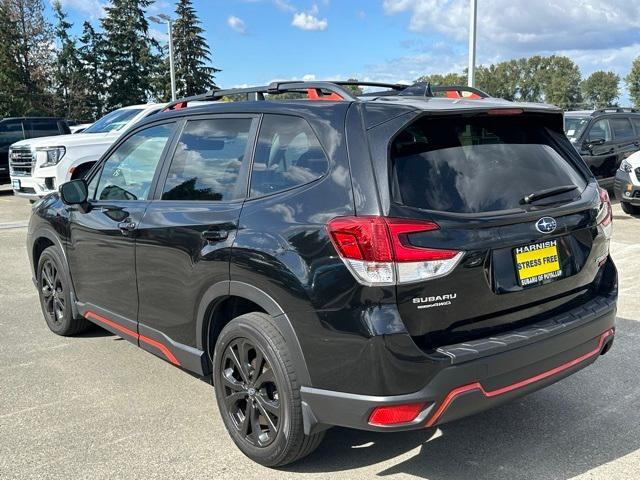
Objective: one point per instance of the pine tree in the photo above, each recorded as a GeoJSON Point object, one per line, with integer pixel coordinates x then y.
{"type": "Point", "coordinates": [11, 89]}
{"type": "Point", "coordinates": [129, 53]}
{"type": "Point", "coordinates": [192, 54]}
{"type": "Point", "coordinates": [92, 80]}
{"type": "Point", "coordinates": [34, 56]}
{"type": "Point", "coordinates": [69, 97]}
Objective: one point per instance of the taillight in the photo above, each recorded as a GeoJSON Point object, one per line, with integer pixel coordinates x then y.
{"type": "Point", "coordinates": [605, 213]}
{"type": "Point", "coordinates": [378, 252]}
{"type": "Point", "coordinates": [395, 414]}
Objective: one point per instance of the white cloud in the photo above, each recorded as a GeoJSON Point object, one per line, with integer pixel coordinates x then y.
{"type": "Point", "coordinates": [309, 21]}
{"type": "Point", "coordinates": [519, 25]}
{"type": "Point", "coordinates": [237, 24]}
{"type": "Point", "coordinates": [93, 8]}
{"type": "Point", "coordinates": [309, 77]}
{"type": "Point", "coordinates": [284, 5]}
{"type": "Point", "coordinates": [162, 37]}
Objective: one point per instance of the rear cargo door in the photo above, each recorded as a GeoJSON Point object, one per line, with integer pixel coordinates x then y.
{"type": "Point", "coordinates": [510, 195]}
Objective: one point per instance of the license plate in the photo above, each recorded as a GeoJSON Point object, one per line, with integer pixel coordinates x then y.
{"type": "Point", "coordinates": [16, 184]}
{"type": "Point", "coordinates": [537, 263]}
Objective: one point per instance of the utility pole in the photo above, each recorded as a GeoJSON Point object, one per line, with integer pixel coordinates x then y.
{"type": "Point", "coordinates": [163, 18]}
{"type": "Point", "coordinates": [473, 20]}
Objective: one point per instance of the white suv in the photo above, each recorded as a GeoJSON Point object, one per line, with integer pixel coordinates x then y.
{"type": "Point", "coordinates": [39, 165]}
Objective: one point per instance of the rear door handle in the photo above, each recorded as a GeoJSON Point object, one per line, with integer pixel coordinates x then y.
{"type": "Point", "coordinates": [127, 227]}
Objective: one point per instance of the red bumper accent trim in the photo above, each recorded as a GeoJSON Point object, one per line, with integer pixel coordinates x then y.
{"type": "Point", "coordinates": [451, 396]}
{"type": "Point", "coordinates": [105, 321]}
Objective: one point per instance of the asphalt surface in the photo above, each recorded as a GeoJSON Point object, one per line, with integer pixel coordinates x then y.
{"type": "Point", "coordinates": [97, 407]}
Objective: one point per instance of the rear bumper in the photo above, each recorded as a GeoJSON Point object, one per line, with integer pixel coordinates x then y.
{"type": "Point", "coordinates": [482, 374]}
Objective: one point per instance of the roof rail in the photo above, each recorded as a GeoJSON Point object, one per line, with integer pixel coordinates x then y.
{"type": "Point", "coordinates": [616, 110]}
{"type": "Point", "coordinates": [458, 91]}
{"type": "Point", "coordinates": [330, 90]}
{"type": "Point", "coordinates": [315, 91]}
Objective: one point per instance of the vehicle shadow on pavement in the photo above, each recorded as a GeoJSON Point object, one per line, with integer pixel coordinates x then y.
{"type": "Point", "coordinates": [572, 427]}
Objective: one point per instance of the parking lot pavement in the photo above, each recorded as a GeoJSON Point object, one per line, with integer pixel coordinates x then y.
{"type": "Point", "coordinates": [97, 407]}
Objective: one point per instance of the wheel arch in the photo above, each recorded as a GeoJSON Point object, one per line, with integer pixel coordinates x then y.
{"type": "Point", "coordinates": [41, 240]}
{"type": "Point", "coordinates": [215, 298]}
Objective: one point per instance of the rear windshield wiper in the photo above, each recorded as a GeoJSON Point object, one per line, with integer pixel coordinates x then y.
{"type": "Point", "coordinates": [549, 192]}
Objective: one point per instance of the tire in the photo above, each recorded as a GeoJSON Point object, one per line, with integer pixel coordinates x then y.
{"type": "Point", "coordinates": [55, 295]}
{"type": "Point", "coordinates": [629, 209]}
{"type": "Point", "coordinates": [272, 384]}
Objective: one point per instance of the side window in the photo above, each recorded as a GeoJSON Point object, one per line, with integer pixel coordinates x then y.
{"type": "Point", "coordinates": [128, 172]}
{"type": "Point", "coordinates": [636, 123]}
{"type": "Point", "coordinates": [600, 130]}
{"type": "Point", "coordinates": [208, 159]}
{"type": "Point", "coordinates": [621, 128]}
{"type": "Point", "coordinates": [42, 128]}
{"type": "Point", "coordinates": [10, 132]}
{"type": "Point", "coordinates": [288, 154]}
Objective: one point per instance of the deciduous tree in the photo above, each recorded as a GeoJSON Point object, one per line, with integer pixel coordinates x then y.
{"type": "Point", "coordinates": [601, 89]}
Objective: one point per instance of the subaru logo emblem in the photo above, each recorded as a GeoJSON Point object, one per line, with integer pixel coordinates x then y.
{"type": "Point", "coordinates": [546, 225]}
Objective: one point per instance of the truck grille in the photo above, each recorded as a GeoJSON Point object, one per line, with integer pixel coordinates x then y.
{"type": "Point", "coordinates": [21, 161]}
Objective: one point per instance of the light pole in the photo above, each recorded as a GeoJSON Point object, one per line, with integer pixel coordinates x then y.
{"type": "Point", "coordinates": [473, 20]}
{"type": "Point", "coordinates": [163, 18]}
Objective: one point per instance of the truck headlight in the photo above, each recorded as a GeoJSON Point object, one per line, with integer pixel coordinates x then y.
{"type": "Point", "coordinates": [626, 166]}
{"type": "Point", "coordinates": [54, 155]}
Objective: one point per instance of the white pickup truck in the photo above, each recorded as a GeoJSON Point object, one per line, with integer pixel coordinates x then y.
{"type": "Point", "coordinates": [39, 165]}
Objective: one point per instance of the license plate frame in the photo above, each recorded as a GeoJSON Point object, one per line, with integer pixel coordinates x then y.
{"type": "Point", "coordinates": [537, 263]}
{"type": "Point", "coordinates": [16, 184]}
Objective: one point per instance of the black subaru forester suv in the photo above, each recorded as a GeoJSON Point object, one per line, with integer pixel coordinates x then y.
{"type": "Point", "coordinates": [386, 262]}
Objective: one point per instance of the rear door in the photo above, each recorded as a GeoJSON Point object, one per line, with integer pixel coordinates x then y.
{"type": "Point", "coordinates": [626, 140]}
{"type": "Point", "coordinates": [186, 235]}
{"type": "Point", "coordinates": [495, 257]}
{"type": "Point", "coordinates": [600, 149]}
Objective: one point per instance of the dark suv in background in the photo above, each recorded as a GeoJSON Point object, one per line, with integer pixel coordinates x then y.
{"type": "Point", "coordinates": [13, 130]}
{"type": "Point", "coordinates": [604, 138]}
{"type": "Point", "coordinates": [387, 262]}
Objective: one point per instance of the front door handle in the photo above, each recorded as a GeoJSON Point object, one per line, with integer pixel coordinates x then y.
{"type": "Point", "coordinates": [127, 227]}
{"type": "Point", "coordinates": [215, 235]}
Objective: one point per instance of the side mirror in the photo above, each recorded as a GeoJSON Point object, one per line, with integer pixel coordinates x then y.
{"type": "Point", "coordinates": [74, 192]}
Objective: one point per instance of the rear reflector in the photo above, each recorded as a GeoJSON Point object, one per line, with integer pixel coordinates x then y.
{"type": "Point", "coordinates": [395, 414]}
{"type": "Point", "coordinates": [605, 213]}
{"type": "Point", "coordinates": [378, 252]}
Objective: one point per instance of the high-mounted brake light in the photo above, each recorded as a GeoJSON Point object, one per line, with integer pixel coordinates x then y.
{"type": "Point", "coordinates": [605, 213]}
{"type": "Point", "coordinates": [505, 111]}
{"type": "Point", "coordinates": [377, 250]}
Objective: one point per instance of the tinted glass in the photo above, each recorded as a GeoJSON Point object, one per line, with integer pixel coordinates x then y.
{"type": "Point", "coordinates": [621, 128]}
{"type": "Point", "coordinates": [573, 126]}
{"type": "Point", "coordinates": [600, 130]}
{"type": "Point", "coordinates": [636, 123]}
{"type": "Point", "coordinates": [42, 128]}
{"type": "Point", "coordinates": [479, 164]}
{"type": "Point", "coordinates": [288, 154]}
{"type": "Point", "coordinates": [208, 159]}
{"type": "Point", "coordinates": [10, 132]}
{"type": "Point", "coordinates": [114, 121]}
{"type": "Point", "coordinates": [129, 171]}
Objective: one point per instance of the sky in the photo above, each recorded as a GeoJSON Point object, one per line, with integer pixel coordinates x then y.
{"type": "Point", "coordinates": [258, 41]}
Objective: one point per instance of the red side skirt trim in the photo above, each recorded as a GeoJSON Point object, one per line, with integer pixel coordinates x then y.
{"type": "Point", "coordinates": [523, 383]}
{"type": "Point", "coordinates": [130, 333]}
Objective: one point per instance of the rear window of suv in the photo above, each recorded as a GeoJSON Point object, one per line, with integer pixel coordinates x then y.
{"type": "Point", "coordinates": [478, 164]}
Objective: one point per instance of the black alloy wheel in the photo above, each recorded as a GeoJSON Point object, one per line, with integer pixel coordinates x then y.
{"type": "Point", "coordinates": [251, 394]}
{"type": "Point", "coordinates": [53, 293]}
